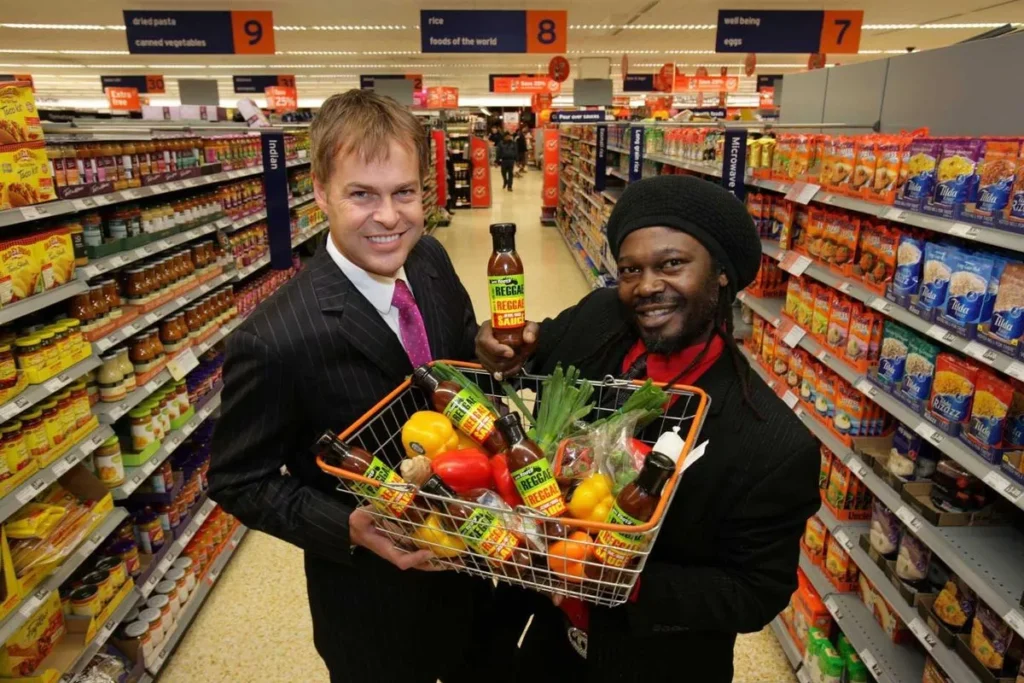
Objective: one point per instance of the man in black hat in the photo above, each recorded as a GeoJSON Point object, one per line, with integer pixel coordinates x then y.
{"type": "Point", "coordinates": [726, 557]}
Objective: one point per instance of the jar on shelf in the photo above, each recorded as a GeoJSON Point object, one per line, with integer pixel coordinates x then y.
{"type": "Point", "coordinates": [127, 550]}
{"type": "Point", "coordinates": [154, 416]}
{"type": "Point", "coordinates": [141, 429]}
{"type": "Point", "coordinates": [134, 284]}
{"type": "Point", "coordinates": [115, 567]}
{"type": "Point", "coordinates": [30, 357]}
{"type": "Point", "coordinates": [170, 590]}
{"type": "Point", "coordinates": [14, 451]}
{"type": "Point", "coordinates": [138, 633]}
{"type": "Point", "coordinates": [109, 464]}
{"type": "Point", "coordinates": [85, 601]}
{"type": "Point", "coordinates": [104, 586]}
{"type": "Point", "coordinates": [111, 297]}
{"type": "Point", "coordinates": [171, 333]}
{"type": "Point", "coordinates": [77, 342]}
{"type": "Point", "coordinates": [51, 356]}
{"type": "Point", "coordinates": [54, 426]}
{"type": "Point", "coordinates": [62, 344]}
{"type": "Point", "coordinates": [142, 353]}
{"type": "Point", "coordinates": [8, 367]}
{"type": "Point", "coordinates": [100, 305]}
{"type": "Point", "coordinates": [163, 604]}
{"type": "Point", "coordinates": [177, 575]}
{"type": "Point", "coordinates": [92, 230]}
{"type": "Point", "coordinates": [127, 369]}
{"type": "Point", "coordinates": [81, 407]}
{"type": "Point", "coordinates": [148, 532]}
{"type": "Point", "coordinates": [153, 620]}
{"type": "Point", "coordinates": [168, 405]}
{"type": "Point", "coordinates": [187, 567]}
{"type": "Point", "coordinates": [66, 410]}
{"type": "Point", "coordinates": [110, 379]}
{"type": "Point", "coordinates": [34, 430]}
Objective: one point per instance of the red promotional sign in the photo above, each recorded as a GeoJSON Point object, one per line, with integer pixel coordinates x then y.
{"type": "Point", "coordinates": [750, 64]}
{"type": "Point", "coordinates": [123, 99]}
{"type": "Point", "coordinates": [155, 84]}
{"type": "Point", "coordinates": [480, 180]}
{"type": "Point", "coordinates": [558, 68]}
{"type": "Point", "coordinates": [767, 97]}
{"type": "Point", "coordinates": [441, 167]}
{"type": "Point", "coordinates": [816, 61]}
{"type": "Point", "coordinates": [281, 99]}
{"type": "Point", "coordinates": [442, 97]}
{"type": "Point", "coordinates": [663, 79]}
{"type": "Point", "coordinates": [540, 102]}
{"type": "Point", "coordinates": [721, 93]}
{"type": "Point", "coordinates": [549, 190]}
{"type": "Point", "coordinates": [527, 84]}
{"type": "Point", "coordinates": [700, 84]}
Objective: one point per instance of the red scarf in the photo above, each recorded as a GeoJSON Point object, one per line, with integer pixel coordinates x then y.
{"type": "Point", "coordinates": [660, 368]}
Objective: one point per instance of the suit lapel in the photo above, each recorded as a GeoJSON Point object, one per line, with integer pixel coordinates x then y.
{"type": "Point", "coordinates": [361, 325]}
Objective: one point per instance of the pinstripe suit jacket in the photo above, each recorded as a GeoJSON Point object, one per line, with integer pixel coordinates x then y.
{"type": "Point", "coordinates": [317, 356]}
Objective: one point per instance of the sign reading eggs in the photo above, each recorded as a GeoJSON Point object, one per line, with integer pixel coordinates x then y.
{"type": "Point", "coordinates": [493, 30]}
{"type": "Point", "coordinates": [789, 31]}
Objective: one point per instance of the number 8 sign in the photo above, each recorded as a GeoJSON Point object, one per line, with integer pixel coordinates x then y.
{"type": "Point", "coordinates": [545, 30]}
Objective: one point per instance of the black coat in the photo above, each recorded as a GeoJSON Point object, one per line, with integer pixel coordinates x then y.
{"type": "Point", "coordinates": [317, 356]}
{"type": "Point", "coordinates": [726, 557]}
{"type": "Point", "coordinates": [507, 152]}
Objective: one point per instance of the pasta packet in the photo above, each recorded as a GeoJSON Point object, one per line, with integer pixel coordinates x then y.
{"type": "Point", "coordinates": [995, 172]}
{"type": "Point", "coordinates": [1013, 214]}
{"type": "Point", "coordinates": [912, 559]}
{"type": "Point", "coordinates": [954, 176]}
{"type": "Point", "coordinates": [920, 183]}
{"type": "Point", "coordinates": [838, 322]}
{"type": "Point", "coordinates": [954, 605]}
{"type": "Point", "coordinates": [990, 638]}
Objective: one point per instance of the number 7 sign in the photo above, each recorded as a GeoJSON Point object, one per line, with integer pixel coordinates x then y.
{"type": "Point", "coordinates": [840, 32]}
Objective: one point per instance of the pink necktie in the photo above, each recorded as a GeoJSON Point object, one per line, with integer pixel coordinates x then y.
{"type": "Point", "coordinates": [410, 325]}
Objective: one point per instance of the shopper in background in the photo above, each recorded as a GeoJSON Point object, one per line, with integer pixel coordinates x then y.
{"type": "Point", "coordinates": [495, 138]}
{"type": "Point", "coordinates": [725, 560]}
{"type": "Point", "coordinates": [507, 155]}
{"type": "Point", "coordinates": [380, 299]}
{"type": "Point", "coordinates": [520, 139]}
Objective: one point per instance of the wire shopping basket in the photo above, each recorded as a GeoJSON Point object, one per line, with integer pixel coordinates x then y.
{"type": "Point", "coordinates": [597, 562]}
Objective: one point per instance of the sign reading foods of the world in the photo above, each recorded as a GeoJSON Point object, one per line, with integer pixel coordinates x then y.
{"type": "Point", "coordinates": [789, 31]}
{"type": "Point", "coordinates": [151, 32]}
{"type": "Point", "coordinates": [493, 30]}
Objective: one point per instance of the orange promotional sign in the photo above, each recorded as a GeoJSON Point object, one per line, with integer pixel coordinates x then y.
{"type": "Point", "coordinates": [700, 84]}
{"type": "Point", "coordinates": [480, 180]}
{"type": "Point", "coordinates": [155, 84]}
{"type": "Point", "coordinates": [540, 102]}
{"type": "Point", "coordinates": [766, 95]}
{"type": "Point", "coordinates": [123, 99]}
{"type": "Point", "coordinates": [549, 188]}
{"type": "Point", "coordinates": [281, 99]}
{"type": "Point", "coordinates": [253, 33]}
{"type": "Point", "coordinates": [546, 30]}
{"type": "Point", "coordinates": [527, 84]}
{"type": "Point", "coordinates": [442, 97]}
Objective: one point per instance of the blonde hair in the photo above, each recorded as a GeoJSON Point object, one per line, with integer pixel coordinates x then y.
{"type": "Point", "coordinates": [364, 123]}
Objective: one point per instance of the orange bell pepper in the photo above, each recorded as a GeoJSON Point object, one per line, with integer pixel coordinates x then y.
{"type": "Point", "coordinates": [566, 558]}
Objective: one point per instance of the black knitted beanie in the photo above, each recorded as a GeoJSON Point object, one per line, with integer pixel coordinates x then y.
{"type": "Point", "coordinates": [704, 210]}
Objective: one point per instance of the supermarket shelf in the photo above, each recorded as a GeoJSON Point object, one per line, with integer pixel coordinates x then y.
{"type": "Point", "coordinates": [109, 413]}
{"type": "Point", "coordinates": [994, 359]}
{"type": "Point", "coordinates": [248, 220]}
{"type": "Point", "coordinates": [37, 302]}
{"type": "Point", "coordinates": [789, 647]}
{"type": "Point", "coordinates": [134, 476]}
{"type": "Point", "coordinates": [887, 662]}
{"type": "Point", "coordinates": [615, 148]}
{"type": "Point", "coordinates": [590, 198]}
{"type": "Point", "coordinates": [176, 547]}
{"type": "Point", "coordinates": [309, 233]}
{"type": "Point", "coordinates": [618, 174]}
{"type": "Point", "coordinates": [20, 496]}
{"type": "Point", "coordinates": [297, 162]}
{"type": "Point", "coordinates": [300, 200]}
{"type": "Point", "coordinates": [613, 197]}
{"type": "Point", "coordinates": [101, 638]}
{"type": "Point", "coordinates": [63, 207]}
{"type": "Point", "coordinates": [587, 273]}
{"type": "Point", "coordinates": [144, 321]}
{"type": "Point", "coordinates": [195, 601]}
{"type": "Point", "coordinates": [27, 607]}
{"type": "Point", "coordinates": [988, 559]}
{"type": "Point", "coordinates": [109, 263]}
{"type": "Point", "coordinates": [243, 273]}
{"type": "Point", "coordinates": [225, 329]}
{"type": "Point", "coordinates": [37, 392]}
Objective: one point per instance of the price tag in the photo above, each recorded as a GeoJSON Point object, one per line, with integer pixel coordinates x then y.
{"type": "Point", "coordinates": [8, 411]}
{"type": "Point", "coordinates": [880, 304]}
{"type": "Point", "coordinates": [141, 252]}
{"type": "Point", "coordinates": [83, 204]}
{"type": "Point", "coordinates": [159, 188]}
{"type": "Point", "coordinates": [52, 385]}
{"type": "Point", "coordinates": [827, 198]}
{"type": "Point", "coordinates": [794, 263]}
{"type": "Point", "coordinates": [151, 583]}
{"type": "Point", "coordinates": [845, 287]}
{"type": "Point", "coordinates": [103, 199]}
{"type": "Point", "coordinates": [980, 352]}
{"type": "Point", "coordinates": [31, 213]}
{"type": "Point", "coordinates": [129, 194]}
{"type": "Point", "coordinates": [182, 364]}
{"type": "Point", "coordinates": [857, 467]}
{"type": "Point", "coordinates": [923, 633]}
{"type": "Point", "coordinates": [791, 333]}
{"type": "Point", "coordinates": [204, 288]}
{"type": "Point", "coordinates": [148, 468]}
{"type": "Point", "coordinates": [22, 403]}
{"type": "Point", "coordinates": [802, 677]}
{"type": "Point", "coordinates": [823, 356]}
{"type": "Point", "coordinates": [833, 608]}
{"type": "Point", "coordinates": [929, 432]}
{"type": "Point", "coordinates": [964, 230]}
{"type": "Point", "coordinates": [1015, 369]}
{"type": "Point", "coordinates": [152, 385]}
{"type": "Point", "coordinates": [176, 185]}
{"type": "Point", "coordinates": [941, 333]}
{"type": "Point", "coordinates": [894, 214]}
{"type": "Point", "coordinates": [790, 399]}
{"type": "Point", "coordinates": [867, 388]}
{"type": "Point", "coordinates": [31, 490]}
{"type": "Point", "coordinates": [152, 318]}
{"type": "Point", "coordinates": [116, 261]}
{"type": "Point", "coordinates": [1015, 620]}
{"type": "Point", "coordinates": [1000, 483]}
{"type": "Point", "coordinates": [137, 479]}
{"type": "Point", "coordinates": [61, 467]}
{"type": "Point", "coordinates": [164, 244]}
{"type": "Point", "coordinates": [908, 517]}
{"type": "Point", "coordinates": [191, 182]}
{"type": "Point", "coordinates": [869, 662]}
{"type": "Point", "coordinates": [104, 344]}
{"type": "Point", "coordinates": [94, 443]}
{"type": "Point", "coordinates": [33, 603]}
{"type": "Point", "coordinates": [802, 193]}
{"type": "Point", "coordinates": [181, 301]}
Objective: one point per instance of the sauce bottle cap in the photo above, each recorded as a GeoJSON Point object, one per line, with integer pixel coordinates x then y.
{"type": "Point", "coordinates": [670, 444]}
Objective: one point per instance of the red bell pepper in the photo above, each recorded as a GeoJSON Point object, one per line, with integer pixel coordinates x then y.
{"type": "Point", "coordinates": [503, 481]}
{"type": "Point", "coordinates": [463, 470]}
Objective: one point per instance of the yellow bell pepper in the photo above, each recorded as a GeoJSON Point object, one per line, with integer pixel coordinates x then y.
{"type": "Point", "coordinates": [592, 500]}
{"type": "Point", "coordinates": [431, 536]}
{"type": "Point", "coordinates": [428, 433]}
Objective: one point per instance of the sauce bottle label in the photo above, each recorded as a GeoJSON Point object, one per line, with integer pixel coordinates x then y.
{"type": "Point", "coordinates": [537, 485]}
{"type": "Point", "coordinates": [470, 416]}
{"type": "Point", "coordinates": [616, 549]}
{"type": "Point", "coordinates": [387, 500]}
{"type": "Point", "coordinates": [483, 532]}
{"type": "Point", "coordinates": [508, 301]}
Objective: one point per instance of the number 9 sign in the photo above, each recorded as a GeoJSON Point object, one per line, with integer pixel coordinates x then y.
{"type": "Point", "coordinates": [253, 33]}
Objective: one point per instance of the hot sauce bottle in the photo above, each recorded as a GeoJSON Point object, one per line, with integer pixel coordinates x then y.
{"type": "Point", "coordinates": [634, 506]}
{"type": "Point", "coordinates": [471, 417]}
{"type": "Point", "coordinates": [530, 470]}
{"type": "Point", "coordinates": [358, 461]}
{"type": "Point", "coordinates": [506, 283]}
{"type": "Point", "coordinates": [480, 529]}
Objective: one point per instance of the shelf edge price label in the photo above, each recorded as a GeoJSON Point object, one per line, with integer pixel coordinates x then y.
{"type": "Point", "coordinates": [867, 388]}
{"type": "Point", "coordinates": [929, 432]}
{"type": "Point", "coordinates": [1015, 620]}
{"type": "Point", "coordinates": [843, 539]}
{"type": "Point", "coordinates": [1000, 483]}
{"type": "Point", "coordinates": [880, 304]}
{"type": "Point", "coordinates": [908, 517]}
{"type": "Point", "coordinates": [857, 467]}
{"type": "Point", "coordinates": [918, 628]}
{"type": "Point", "coordinates": [871, 663]}
{"type": "Point", "coordinates": [791, 332]}
{"type": "Point", "coordinates": [833, 608]}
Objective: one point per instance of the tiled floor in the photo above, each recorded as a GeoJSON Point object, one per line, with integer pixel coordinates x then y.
{"type": "Point", "coordinates": [255, 625]}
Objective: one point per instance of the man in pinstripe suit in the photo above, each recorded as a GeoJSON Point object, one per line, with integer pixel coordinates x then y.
{"type": "Point", "coordinates": [321, 352]}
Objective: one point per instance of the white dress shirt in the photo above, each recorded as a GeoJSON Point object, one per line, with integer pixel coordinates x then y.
{"type": "Point", "coordinates": [378, 290]}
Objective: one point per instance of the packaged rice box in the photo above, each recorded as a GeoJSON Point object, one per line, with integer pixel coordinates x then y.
{"type": "Point", "coordinates": [923, 157]}
{"type": "Point", "coordinates": [992, 398]}
{"type": "Point", "coordinates": [896, 341]}
{"type": "Point", "coordinates": [953, 388]}
{"type": "Point", "coordinates": [909, 259]}
{"type": "Point", "coordinates": [916, 385]}
{"type": "Point", "coordinates": [935, 274]}
{"type": "Point", "coordinates": [996, 171]}
{"type": "Point", "coordinates": [954, 175]}
{"type": "Point", "coordinates": [1006, 325]}
{"type": "Point", "coordinates": [968, 286]}
{"type": "Point", "coordinates": [999, 264]}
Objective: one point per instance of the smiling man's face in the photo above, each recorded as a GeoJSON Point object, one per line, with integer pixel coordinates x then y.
{"type": "Point", "coordinates": [375, 207]}
{"type": "Point", "coordinates": [669, 284]}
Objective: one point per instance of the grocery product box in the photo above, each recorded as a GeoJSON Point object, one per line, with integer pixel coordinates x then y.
{"type": "Point", "coordinates": [19, 119]}
{"type": "Point", "coordinates": [946, 635]}
{"type": "Point", "coordinates": [912, 595]}
{"type": "Point", "coordinates": [10, 587]}
{"type": "Point", "coordinates": [25, 175]}
{"type": "Point", "coordinates": [917, 495]}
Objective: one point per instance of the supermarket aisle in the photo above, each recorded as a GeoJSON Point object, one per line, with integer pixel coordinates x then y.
{"type": "Point", "coordinates": [258, 609]}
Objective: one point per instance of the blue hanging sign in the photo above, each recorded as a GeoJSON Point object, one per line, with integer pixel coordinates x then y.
{"type": "Point", "coordinates": [275, 182]}
{"type": "Point", "coordinates": [257, 84]}
{"type": "Point", "coordinates": [789, 31]}
{"type": "Point", "coordinates": [636, 153]}
{"type": "Point", "coordinates": [580, 116]}
{"type": "Point", "coordinates": [167, 32]}
{"type": "Point", "coordinates": [600, 163]}
{"type": "Point", "coordinates": [531, 31]}
{"type": "Point", "coordinates": [734, 162]}
{"type": "Point", "coordinates": [153, 84]}
{"type": "Point", "coordinates": [638, 83]}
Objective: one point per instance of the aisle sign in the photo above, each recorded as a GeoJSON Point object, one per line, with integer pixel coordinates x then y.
{"type": "Point", "coordinates": [636, 153]}
{"type": "Point", "coordinates": [638, 83]}
{"type": "Point", "coordinates": [578, 116]}
{"type": "Point", "coordinates": [684, 83]}
{"type": "Point", "coordinates": [493, 30]}
{"type": "Point", "coordinates": [123, 99]}
{"type": "Point", "coordinates": [600, 163]}
{"type": "Point", "coordinates": [789, 31]}
{"type": "Point", "coordinates": [152, 84]}
{"type": "Point", "coordinates": [275, 182]}
{"type": "Point", "coordinates": [549, 191]}
{"type": "Point", "coordinates": [152, 32]}
{"type": "Point", "coordinates": [442, 97]}
{"type": "Point", "coordinates": [526, 85]}
{"type": "Point", "coordinates": [281, 99]}
{"type": "Point", "coordinates": [734, 162]}
{"type": "Point", "coordinates": [254, 84]}
{"type": "Point", "coordinates": [366, 81]}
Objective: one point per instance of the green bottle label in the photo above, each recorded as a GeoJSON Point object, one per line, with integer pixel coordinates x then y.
{"type": "Point", "coordinates": [508, 301]}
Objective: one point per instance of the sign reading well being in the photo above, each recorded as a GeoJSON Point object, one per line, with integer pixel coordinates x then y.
{"type": "Point", "coordinates": [244, 84]}
{"type": "Point", "coordinates": [789, 31]}
{"type": "Point", "coordinates": [493, 30]}
{"type": "Point", "coordinates": [199, 33]}
{"type": "Point", "coordinates": [152, 84]}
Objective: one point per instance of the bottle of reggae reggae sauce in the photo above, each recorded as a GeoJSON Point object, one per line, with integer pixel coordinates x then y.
{"type": "Point", "coordinates": [506, 286]}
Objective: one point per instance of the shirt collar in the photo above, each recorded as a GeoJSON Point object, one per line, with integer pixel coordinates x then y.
{"type": "Point", "coordinates": [379, 290]}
